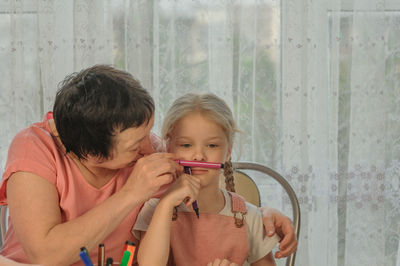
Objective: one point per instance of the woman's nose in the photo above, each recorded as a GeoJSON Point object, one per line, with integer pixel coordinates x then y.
{"type": "Point", "coordinates": [146, 147]}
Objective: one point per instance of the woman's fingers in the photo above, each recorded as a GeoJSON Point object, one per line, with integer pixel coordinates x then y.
{"type": "Point", "coordinates": [289, 242]}
{"type": "Point", "coordinates": [151, 173]}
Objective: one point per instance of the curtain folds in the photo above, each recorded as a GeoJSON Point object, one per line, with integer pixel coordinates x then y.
{"type": "Point", "coordinates": [314, 87]}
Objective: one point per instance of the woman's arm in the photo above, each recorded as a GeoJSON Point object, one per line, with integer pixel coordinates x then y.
{"type": "Point", "coordinates": [268, 260]}
{"type": "Point", "coordinates": [35, 211]}
{"type": "Point", "coordinates": [154, 245]}
{"type": "Point", "coordinates": [7, 262]}
{"type": "Point", "coordinates": [33, 206]}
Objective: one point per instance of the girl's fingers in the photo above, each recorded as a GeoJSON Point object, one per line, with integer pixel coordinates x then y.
{"type": "Point", "coordinates": [194, 181]}
{"type": "Point", "coordinates": [217, 262]}
{"type": "Point", "coordinates": [225, 262]}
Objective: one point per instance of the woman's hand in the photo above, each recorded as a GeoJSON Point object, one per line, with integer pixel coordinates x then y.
{"type": "Point", "coordinates": [152, 172]}
{"type": "Point", "coordinates": [224, 262]}
{"type": "Point", "coordinates": [275, 221]}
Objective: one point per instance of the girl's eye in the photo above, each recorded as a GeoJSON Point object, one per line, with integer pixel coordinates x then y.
{"type": "Point", "coordinates": [185, 145]}
{"type": "Point", "coordinates": [212, 145]}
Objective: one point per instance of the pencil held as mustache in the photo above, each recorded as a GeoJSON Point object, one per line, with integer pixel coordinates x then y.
{"type": "Point", "coordinates": [200, 164]}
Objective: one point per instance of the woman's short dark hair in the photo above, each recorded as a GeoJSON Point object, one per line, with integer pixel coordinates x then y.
{"type": "Point", "coordinates": [94, 104]}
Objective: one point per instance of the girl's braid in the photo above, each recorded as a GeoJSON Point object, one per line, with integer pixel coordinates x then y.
{"type": "Point", "coordinates": [229, 179]}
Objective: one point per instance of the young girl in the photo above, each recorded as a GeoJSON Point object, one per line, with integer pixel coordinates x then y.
{"type": "Point", "coordinates": [201, 128]}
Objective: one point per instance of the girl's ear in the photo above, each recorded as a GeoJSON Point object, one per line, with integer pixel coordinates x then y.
{"type": "Point", "coordinates": [228, 155]}
{"type": "Point", "coordinates": [167, 143]}
{"type": "Point", "coordinates": [167, 146]}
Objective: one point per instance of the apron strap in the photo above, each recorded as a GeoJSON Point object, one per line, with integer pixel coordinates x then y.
{"type": "Point", "coordinates": [238, 208]}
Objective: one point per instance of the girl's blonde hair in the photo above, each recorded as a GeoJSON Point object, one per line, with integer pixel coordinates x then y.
{"type": "Point", "coordinates": [211, 106]}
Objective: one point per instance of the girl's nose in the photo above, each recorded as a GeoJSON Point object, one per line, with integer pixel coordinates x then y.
{"type": "Point", "coordinates": [199, 155]}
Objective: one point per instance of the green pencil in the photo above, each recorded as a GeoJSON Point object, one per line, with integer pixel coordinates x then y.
{"type": "Point", "coordinates": [125, 258]}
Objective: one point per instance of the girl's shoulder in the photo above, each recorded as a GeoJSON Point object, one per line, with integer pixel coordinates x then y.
{"type": "Point", "coordinates": [260, 244]}
{"type": "Point", "coordinates": [250, 208]}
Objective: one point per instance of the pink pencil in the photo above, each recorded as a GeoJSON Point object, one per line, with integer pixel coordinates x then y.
{"type": "Point", "coordinates": [200, 164]}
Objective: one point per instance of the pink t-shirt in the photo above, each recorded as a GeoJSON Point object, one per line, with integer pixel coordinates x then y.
{"type": "Point", "coordinates": [35, 150]}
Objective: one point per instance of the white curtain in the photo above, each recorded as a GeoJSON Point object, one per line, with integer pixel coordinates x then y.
{"type": "Point", "coordinates": [314, 86]}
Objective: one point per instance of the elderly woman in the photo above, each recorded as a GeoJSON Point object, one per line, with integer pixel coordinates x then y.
{"type": "Point", "coordinates": [81, 178]}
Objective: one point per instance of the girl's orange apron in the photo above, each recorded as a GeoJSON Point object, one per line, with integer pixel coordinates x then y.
{"type": "Point", "coordinates": [200, 241]}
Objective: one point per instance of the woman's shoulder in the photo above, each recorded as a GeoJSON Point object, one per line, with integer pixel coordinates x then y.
{"type": "Point", "coordinates": [39, 131]}
{"type": "Point", "coordinates": [35, 136]}
{"type": "Point", "coordinates": [31, 150]}
{"type": "Point", "coordinates": [34, 150]}
{"type": "Point", "coordinates": [34, 131]}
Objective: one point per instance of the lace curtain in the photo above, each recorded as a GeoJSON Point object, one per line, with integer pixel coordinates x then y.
{"type": "Point", "coordinates": [314, 86]}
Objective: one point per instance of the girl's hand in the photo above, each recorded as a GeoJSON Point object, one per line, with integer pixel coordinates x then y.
{"type": "Point", "coordinates": [184, 189]}
{"type": "Point", "coordinates": [224, 262]}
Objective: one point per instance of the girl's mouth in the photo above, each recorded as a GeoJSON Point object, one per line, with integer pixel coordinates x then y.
{"type": "Point", "coordinates": [199, 171]}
